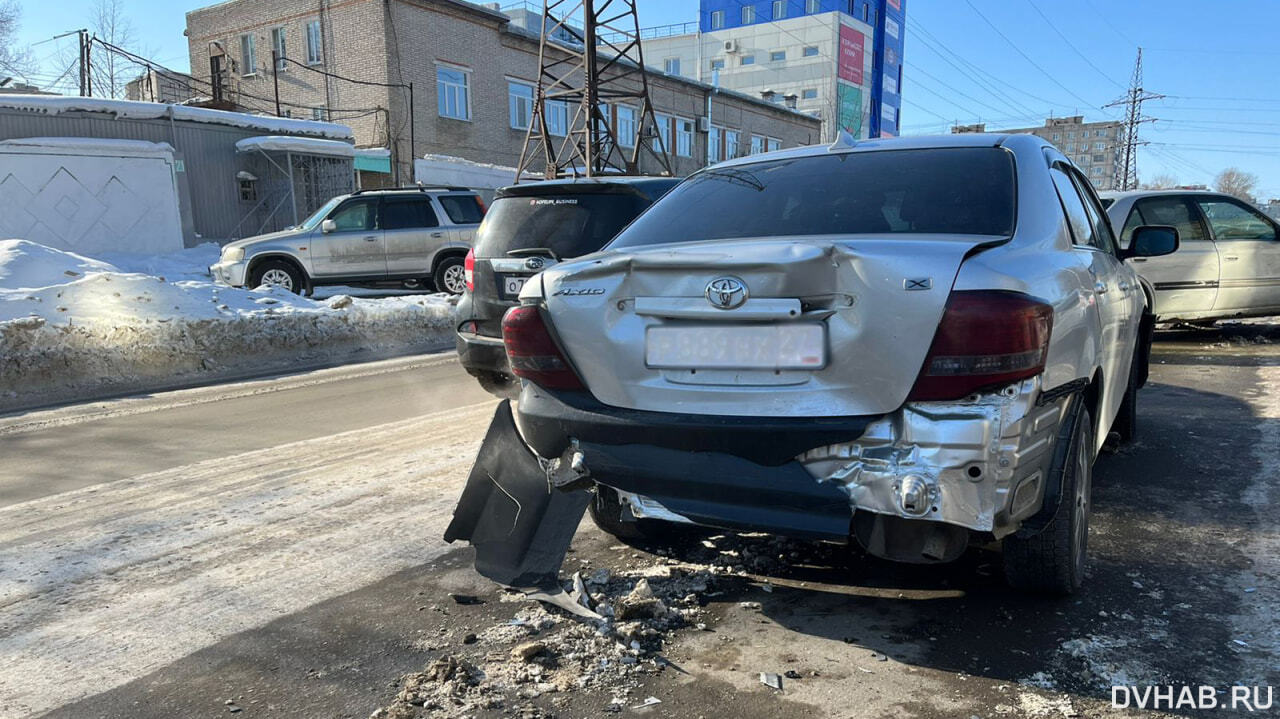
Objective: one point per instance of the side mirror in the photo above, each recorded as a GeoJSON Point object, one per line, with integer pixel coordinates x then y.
{"type": "Point", "coordinates": [1152, 241]}
{"type": "Point", "coordinates": [328, 226]}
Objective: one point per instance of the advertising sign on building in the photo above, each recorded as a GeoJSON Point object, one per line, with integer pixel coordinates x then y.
{"type": "Point", "coordinates": [851, 60]}
{"type": "Point", "coordinates": [849, 108]}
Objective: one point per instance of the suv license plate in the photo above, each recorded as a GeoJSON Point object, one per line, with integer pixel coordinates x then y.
{"type": "Point", "coordinates": [796, 346]}
{"type": "Point", "coordinates": [511, 286]}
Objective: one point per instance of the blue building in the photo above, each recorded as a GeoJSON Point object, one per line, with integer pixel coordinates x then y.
{"type": "Point", "coordinates": [796, 51]}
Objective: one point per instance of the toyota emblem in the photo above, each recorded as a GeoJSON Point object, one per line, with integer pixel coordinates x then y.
{"type": "Point", "coordinates": [726, 293]}
{"type": "Point", "coordinates": [534, 263]}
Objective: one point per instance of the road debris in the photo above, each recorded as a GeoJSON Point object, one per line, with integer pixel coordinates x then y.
{"type": "Point", "coordinates": [773, 681]}
{"type": "Point", "coordinates": [648, 702]}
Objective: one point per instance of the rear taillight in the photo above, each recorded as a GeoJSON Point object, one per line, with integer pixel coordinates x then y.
{"type": "Point", "coordinates": [532, 351]}
{"type": "Point", "coordinates": [469, 270]}
{"type": "Point", "coordinates": [985, 339]}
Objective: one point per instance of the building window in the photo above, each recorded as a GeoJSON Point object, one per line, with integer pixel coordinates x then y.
{"type": "Point", "coordinates": [748, 14]}
{"type": "Point", "coordinates": [315, 51]}
{"type": "Point", "coordinates": [810, 51]}
{"type": "Point", "coordinates": [747, 60]}
{"type": "Point", "coordinates": [662, 143]}
{"type": "Point", "coordinates": [558, 117]}
{"type": "Point", "coordinates": [1099, 145]}
{"type": "Point", "coordinates": [1101, 133]}
{"type": "Point", "coordinates": [1097, 170]}
{"type": "Point", "coordinates": [626, 126]}
{"type": "Point", "coordinates": [684, 137]}
{"type": "Point", "coordinates": [453, 96]}
{"type": "Point", "coordinates": [519, 104]}
{"type": "Point", "coordinates": [778, 56]}
{"type": "Point", "coordinates": [757, 144]}
{"type": "Point", "coordinates": [671, 66]}
{"type": "Point", "coordinates": [319, 113]}
{"type": "Point", "coordinates": [277, 44]}
{"type": "Point", "coordinates": [812, 6]}
{"type": "Point", "coordinates": [731, 144]}
{"type": "Point", "coordinates": [248, 190]}
{"type": "Point", "coordinates": [713, 145]}
{"type": "Point", "coordinates": [1057, 136]}
{"type": "Point", "coordinates": [773, 144]}
{"type": "Point", "coordinates": [717, 19]}
{"type": "Point", "coordinates": [779, 9]}
{"type": "Point", "coordinates": [1069, 148]}
{"type": "Point", "coordinates": [717, 64]}
{"type": "Point", "coordinates": [248, 55]}
{"type": "Point", "coordinates": [809, 93]}
{"type": "Point", "coordinates": [1099, 158]}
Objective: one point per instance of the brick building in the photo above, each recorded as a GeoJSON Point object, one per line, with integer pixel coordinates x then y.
{"type": "Point", "coordinates": [1095, 146]}
{"type": "Point", "coordinates": [472, 72]}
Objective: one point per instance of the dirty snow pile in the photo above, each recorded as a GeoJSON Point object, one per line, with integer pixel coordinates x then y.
{"type": "Point", "coordinates": [74, 326]}
{"type": "Point", "coordinates": [541, 651]}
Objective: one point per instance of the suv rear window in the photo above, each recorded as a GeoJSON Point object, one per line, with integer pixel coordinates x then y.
{"type": "Point", "coordinates": [463, 209]}
{"type": "Point", "coordinates": [567, 224]}
{"type": "Point", "coordinates": [966, 191]}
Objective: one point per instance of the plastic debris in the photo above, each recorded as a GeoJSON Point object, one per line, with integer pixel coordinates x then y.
{"type": "Point", "coordinates": [648, 702]}
{"type": "Point", "coordinates": [771, 680]}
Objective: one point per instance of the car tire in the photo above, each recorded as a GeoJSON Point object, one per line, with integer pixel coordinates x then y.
{"type": "Point", "coordinates": [1052, 561]}
{"type": "Point", "coordinates": [449, 276]}
{"type": "Point", "coordinates": [606, 511]}
{"type": "Point", "coordinates": [497, 383]}
{"type": "Point", "coordinates": [278, 273]}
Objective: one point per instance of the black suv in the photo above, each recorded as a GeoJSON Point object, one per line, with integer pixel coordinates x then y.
{"type": "Point", "coordinates": [528, 228]}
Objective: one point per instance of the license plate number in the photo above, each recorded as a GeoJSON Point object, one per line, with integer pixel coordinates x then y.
{"type": "Point", "coordinates": [511, 286]}
{"type": "Point", "coordinates": [800, 346]}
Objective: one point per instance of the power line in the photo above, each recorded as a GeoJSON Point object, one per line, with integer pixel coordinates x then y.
{"type": "Point", "coordinates": [1071, 45]}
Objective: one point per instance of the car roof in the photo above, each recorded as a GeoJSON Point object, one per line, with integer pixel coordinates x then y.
{"type": "Point", "coordinates": [424, 189]}
{"type": "Point", "coordinates": [918, 142]}
{"type": "Point", "coordinates": [648, 186]}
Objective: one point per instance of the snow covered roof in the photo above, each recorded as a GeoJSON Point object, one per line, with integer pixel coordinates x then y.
{"type": "Point", "coordinates": [89, 146]}
{"type": "Point", "coordinates": [53, 105]}
{"type": "Point", "coordinates": [373, 152]}
{"type": "Point", "coordinates": [307, 145]}
{"type": "Point", "coordinates": [448, 170]}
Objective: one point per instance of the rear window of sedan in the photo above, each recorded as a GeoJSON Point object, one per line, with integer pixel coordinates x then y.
{"type": "Point", "coordinates": [965, 191]}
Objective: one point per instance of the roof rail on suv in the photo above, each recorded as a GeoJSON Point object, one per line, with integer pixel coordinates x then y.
{"type": "Point", "coordinates": [420, 188]}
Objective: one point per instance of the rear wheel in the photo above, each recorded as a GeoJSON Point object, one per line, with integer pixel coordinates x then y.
{"type": "Point", "coordinates": [278, 273]}
{"type": "Point", "coordinates": [450, 277]}
{"type": "Point", "coordinates": [1052, 561]}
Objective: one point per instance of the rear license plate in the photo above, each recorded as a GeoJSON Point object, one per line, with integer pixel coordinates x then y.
{"type": "Point", "coordinates": [511, 286]}
{"type": "Point", "coordinates": [801, 346]}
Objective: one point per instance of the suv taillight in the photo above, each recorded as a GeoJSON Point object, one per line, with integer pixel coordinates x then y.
{"type": "Point", "coordinates": [986, 339]}
{"type": "Point", "coordinates": [469, 270]}
{"type": "Point", "coordinates": [532, 351]}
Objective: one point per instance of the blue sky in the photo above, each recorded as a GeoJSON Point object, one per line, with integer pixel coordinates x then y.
{"type": "Point", "coordinates": [1216, 61]}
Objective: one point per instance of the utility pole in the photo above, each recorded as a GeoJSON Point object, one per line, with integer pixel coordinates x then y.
{"type": "Point", "coordinates": [1127, 174]}
{"type": "Point", "coordinates": [86, 65]}
{"type": "Point", "coordinates": [581, 73]}
{"type": "Point", "coordinates": [275, 79]}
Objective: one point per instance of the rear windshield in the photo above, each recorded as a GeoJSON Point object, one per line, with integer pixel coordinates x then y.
{"type": "Point", "coordinates": [939, 191]}
{"type": "Point", "coordinates": [462, 209]}
{"type": "Point", "coordinates": [568, 225]}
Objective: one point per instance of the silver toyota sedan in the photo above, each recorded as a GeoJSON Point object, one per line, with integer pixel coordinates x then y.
{"type": "Point", "coordinates": [916, 344]}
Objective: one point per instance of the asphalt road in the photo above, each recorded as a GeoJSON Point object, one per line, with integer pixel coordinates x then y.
{"type": "Point", "coordinates": [278, 543]}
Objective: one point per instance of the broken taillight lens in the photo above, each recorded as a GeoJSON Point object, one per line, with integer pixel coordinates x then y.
{"type": "Point", "coordinates": [533, 353]}
{"type": "Point", "coordinates": [986, 338]}
{"type": "Point", "coordinates": [469, 270]}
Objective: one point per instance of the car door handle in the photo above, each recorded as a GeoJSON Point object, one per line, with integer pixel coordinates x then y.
{"type": "Point", "coordinates": [437, 234]}
{"type": "Point", "coordinates": [1124, 287]}
{"type": "Point", "coordinates": [1100, 287]}
{"type": "Point", "coordinates": [1230, 258]}
{"type": "Point", "coordinates": [1137, 259]}
{"type": "Point", "coordinates": [370, 238]}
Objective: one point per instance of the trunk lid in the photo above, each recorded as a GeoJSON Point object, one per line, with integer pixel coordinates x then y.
{"type": "Point", "coordinates": [642, 333]}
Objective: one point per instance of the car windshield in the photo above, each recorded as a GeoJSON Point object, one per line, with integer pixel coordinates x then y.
{"type": "Point", "coordinates": [314, 220]}
{"type": "Point", "coordinates": [567, 224]}
{"type": "Point", "coordinates": [967, 191]}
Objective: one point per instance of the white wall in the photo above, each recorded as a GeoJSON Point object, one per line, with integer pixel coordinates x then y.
{"type": "Point", "coordinates": [87, 195]}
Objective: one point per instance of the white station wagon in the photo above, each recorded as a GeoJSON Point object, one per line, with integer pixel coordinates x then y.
{"type": "Point", "coordinates": [916, 344]}
{"type": "Point", "coordinates": [1228, 263]}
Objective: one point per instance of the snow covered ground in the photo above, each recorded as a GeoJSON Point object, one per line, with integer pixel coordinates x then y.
{"type": "Point", "coordinates": [73, 327]}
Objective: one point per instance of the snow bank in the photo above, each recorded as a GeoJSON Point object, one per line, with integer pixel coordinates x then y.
{"type": "Point", "coordinates": [130, 109]}
{"type": "Point", "coordinates": [73, 327]}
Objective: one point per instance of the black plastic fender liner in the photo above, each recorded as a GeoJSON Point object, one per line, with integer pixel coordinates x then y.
{"type": "Point", "coordinates": [520, 526]}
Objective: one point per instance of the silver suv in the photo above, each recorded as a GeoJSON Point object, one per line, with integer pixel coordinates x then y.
{"type": "Point", "coordinates": [415, 236]}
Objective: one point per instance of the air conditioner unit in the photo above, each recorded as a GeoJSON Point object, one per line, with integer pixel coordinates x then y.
{"type": "Point", "coordinates": [730, 45]}
{"type": "Point", "coordinates": [704, 125]}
